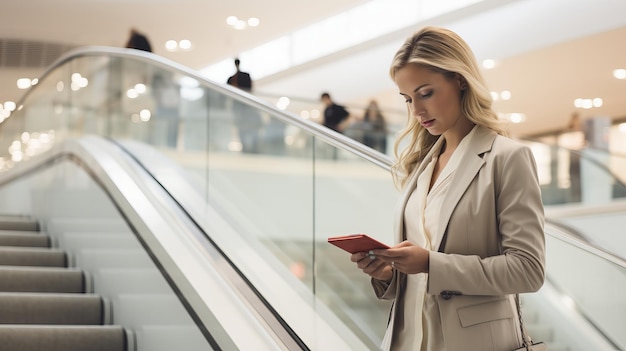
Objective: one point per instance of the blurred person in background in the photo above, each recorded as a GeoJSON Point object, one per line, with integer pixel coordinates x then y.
{"type": "Point", "coordinates": [247, 119]}
{"type": "Point", "coordinates": [138, 40]}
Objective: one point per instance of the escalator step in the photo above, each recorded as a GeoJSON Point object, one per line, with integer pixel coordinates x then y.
{"type": "Point", "coordinates": [23, 238]}
{"type": "Point", "coordinates": [41, 279]}
{"type": "Point", "coordinates": [62, 338]}
{"type": "Point", "coordinates": [49, 308]}
{"type": "Point", "coordinates": [8, 222]}
{"type": "Point", "coordinates": [19, 256]}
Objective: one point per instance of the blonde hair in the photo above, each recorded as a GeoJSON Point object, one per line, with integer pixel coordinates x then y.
{"type": "Point", "coordinates": [445, 52]}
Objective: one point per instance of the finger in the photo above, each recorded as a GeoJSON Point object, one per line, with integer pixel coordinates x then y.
{"type": "Point", "coordinates": [356, 257]}
{"type": "Point", "coordinates": [374, 266]}
{"type": "Point", "coordinates": [369, 263]}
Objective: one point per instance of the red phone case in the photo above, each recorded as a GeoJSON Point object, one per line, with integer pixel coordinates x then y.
{"type": "Point", "coordinates": [356, 243]}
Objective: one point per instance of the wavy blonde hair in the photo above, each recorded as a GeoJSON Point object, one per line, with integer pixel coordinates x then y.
{"type": "Point", "coordinates": [445, 52]}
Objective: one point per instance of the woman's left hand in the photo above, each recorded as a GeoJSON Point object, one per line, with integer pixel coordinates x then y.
{"type": "Point", "coordinates": [405, 257]}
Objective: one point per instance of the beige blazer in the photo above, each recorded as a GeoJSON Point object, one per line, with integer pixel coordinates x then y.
{"type": "Point", "coordinates": [493, 246]}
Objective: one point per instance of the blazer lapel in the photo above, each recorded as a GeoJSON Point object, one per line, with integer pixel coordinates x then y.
{"type": "Point", "coordinates": [467, 170]}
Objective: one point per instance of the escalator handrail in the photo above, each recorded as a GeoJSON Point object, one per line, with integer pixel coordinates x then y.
{"type": "Point", "coordinates": [558, 232]}
{"type": "Point", "coordinates": [327, 135]}
{"type": "Point", "coordinates": [582, 156]}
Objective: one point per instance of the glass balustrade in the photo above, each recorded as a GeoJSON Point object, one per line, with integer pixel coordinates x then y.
{"type": "Point", "coordinates": [590, 282]}
{"type": "Point", "coordinates": [586, 176]}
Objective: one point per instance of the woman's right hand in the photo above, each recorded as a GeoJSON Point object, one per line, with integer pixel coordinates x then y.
{"type": "Point", "coordinates": [372, 266]}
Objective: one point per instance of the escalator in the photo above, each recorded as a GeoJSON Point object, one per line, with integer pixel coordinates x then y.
{"type": "Point", "coordinates": [44, 303]}
{"type": "Point", "coordinates": [138, 174]}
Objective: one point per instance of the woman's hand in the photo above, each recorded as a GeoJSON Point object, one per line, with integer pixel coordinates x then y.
{"type": "Point", "coordinates": [405, 257]}
{"type": "Point", "coordinates": [370, 265]}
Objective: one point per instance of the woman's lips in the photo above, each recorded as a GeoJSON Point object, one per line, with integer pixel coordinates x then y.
{"type": "Point", "coordinates": [427, 123]}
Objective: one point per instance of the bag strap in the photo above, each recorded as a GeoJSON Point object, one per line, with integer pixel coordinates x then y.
{"type": "Point", "coordinates": [528, 343]}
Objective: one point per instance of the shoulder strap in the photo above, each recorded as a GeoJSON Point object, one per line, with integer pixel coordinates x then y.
{"type": "Point", "coordinates": [521, 324]}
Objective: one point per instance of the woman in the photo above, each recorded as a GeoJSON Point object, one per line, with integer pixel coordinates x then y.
{"type": "Point", "coordinates": [375, 128]}
{"type": "Point", "coordinates": [470, 222]}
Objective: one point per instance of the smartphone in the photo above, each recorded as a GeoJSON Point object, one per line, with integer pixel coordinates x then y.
{"type": "Point", "coordinates": [356, 243]}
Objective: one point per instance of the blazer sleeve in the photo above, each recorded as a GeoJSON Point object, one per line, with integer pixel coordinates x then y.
{"type": "Point", "coordinates": [385, 290]}
{"type": "Point", "coordinates": [506, 248]}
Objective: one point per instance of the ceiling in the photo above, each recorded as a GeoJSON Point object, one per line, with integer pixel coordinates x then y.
{"type": "Point", "coordinates": [548, 53]}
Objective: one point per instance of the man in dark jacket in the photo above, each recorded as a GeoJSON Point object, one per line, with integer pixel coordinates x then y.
{"type": "Point", "coordinates": [333, 114]}
{"type": "Point", "coordinates": [138, 41]}
{"type": "Point", "coordinates": [247, 118]}
{"type": "Point", "coordinates": [240, 79]}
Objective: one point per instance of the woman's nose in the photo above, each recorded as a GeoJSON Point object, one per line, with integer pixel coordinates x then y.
{"type": "Point", "coordinates": [416, 109]}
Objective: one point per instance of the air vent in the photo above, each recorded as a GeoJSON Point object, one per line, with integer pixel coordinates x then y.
{"type": "Point", "coordinates": [30, 53]}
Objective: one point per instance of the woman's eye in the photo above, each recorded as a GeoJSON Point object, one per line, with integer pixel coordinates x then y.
{"type": "Point", "coordinates": [426, 94]}
{"type": "Point", "coordinates": [408, 101]}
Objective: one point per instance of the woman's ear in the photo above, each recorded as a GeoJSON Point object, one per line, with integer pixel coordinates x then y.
{"type": "Point", "coordinates": [462, 82]}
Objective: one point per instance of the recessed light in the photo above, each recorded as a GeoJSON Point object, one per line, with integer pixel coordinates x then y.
{"type": "Point", "coordinates": [241, 24]}
{"type": "Point", "coordinates": [231, 20]}
{"type": "Point", "coordinates": [171, 45]}
{"type": "Point", "coordinates": [24, 83]}
{"type": "Point", "coordinates": [9, 106]}
{"type": "Point", "coordinates": [619, 73]}
{"type": "Point", "coordinates": [588, 103]}
{"type": "Point", "coordinates": [489, 63]}
{"type": "Point", "coordinates": [514, 117]}
{"type": "Point", "coordinates": [184, 44]}
{"type": "Point", "coordinates": [181, 45]}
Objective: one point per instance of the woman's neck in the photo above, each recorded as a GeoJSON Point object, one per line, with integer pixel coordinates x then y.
{"type": "Point", "coordinates": [454, 136]}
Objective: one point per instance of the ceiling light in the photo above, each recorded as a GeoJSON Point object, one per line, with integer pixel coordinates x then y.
{"type": "Point", "coordinates": [505, 95]}
{"type": "Point", "coordinates": [241, 24]}
{"type": "Point", "coordinates": [597, 102]}
{"type": "Point", "coordinates": [514, 117]}
{"type": "Point", "coordinates": [145, 115]}
{"type": "Point", "coordinates": [619, 73]}
{"type": "Point", "coordinates": [495, 96]}
{"type": "Point", "coordinates": [517, 117]}
{"type": "Point", "coordinates": [23, 83]}
{"type": "Point", "coordinates": [132, 93]}
{"type": "Point", "coordinates": [171, 45]}
{"type": "Point", "coordinates": [140, 88]}
{"type": "Point", "coordinates": [283, 103]}
{"type": "Point", "coordinates": [184, 44]}
{"type": "Point", "coordinates": [231, 20]}
{"type": "Point", "coordinates": [588, 103]}
{"type": "Point", "coordinates": [9, 106]}
{"type": "Point", "coordinates": [489, 63]}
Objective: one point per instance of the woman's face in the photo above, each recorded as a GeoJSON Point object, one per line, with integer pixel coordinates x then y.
{"type": "Point", "coordinates": [433, 99]}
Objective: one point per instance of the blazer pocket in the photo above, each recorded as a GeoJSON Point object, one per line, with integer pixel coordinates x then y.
{"type": "Point", "coordinates": [485, 312]}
